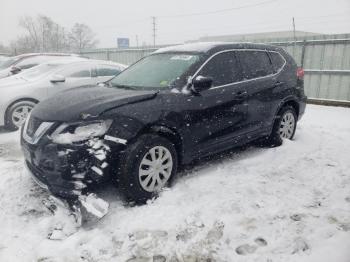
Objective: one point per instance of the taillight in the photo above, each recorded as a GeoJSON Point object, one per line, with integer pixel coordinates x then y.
{"type": "Point", "coordinates": [300, 73]}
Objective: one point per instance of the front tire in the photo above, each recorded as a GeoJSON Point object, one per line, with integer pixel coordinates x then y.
{"type": "Point", "coordinates": [283, 128]}
{"type": "Point", "coordinates": [146, 166]}
{"type": "Point", "coordinates": [17, 114]}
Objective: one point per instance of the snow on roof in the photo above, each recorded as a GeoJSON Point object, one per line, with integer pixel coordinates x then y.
{"type": "Point", "coordinates": [79, 60]}
{"type": "Point", "coordinates": [65, 60]}
{"type": "Point", "coordinates": [47, 54]}
{"type": "Point", "coordinates": [194, 47]}
{"type": "Point", "coordinates": [107, 62]}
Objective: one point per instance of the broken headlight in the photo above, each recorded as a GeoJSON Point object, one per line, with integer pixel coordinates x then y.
{"type": "Point", "coordinates": [68, 133]}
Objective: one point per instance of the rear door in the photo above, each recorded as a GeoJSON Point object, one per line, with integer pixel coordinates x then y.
{"type": "Point", "coordinates": [259, 83]}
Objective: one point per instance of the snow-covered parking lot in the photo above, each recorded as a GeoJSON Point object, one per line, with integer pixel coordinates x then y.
{"type": "Point", "coordinates": [290, 203]}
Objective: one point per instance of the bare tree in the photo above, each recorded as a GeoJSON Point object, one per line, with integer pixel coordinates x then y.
{"type": "Point", "coordinates": [4, 49]}
{"type": "Point", "coordinates": [82, 37]}
{"type": "Point", "coordinates": [31, 39]}
{"type": "Point", "coordinates": [42, 34]}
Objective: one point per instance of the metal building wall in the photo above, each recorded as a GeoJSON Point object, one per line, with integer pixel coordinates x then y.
{"type": "Point", "coordinates": [327, 66]}
{"type": "Point", "coordinates": [326, 60]}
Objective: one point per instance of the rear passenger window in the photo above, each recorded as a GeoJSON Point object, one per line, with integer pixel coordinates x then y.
{"type": "Point", "coordinates": [255, 64]}
{"type": "Point", "coordinates": [76, 71]}
{"type": "Point", "coordinates": [223, 69]}
{"type": "Point", "coordinates": [107, 71]}
{"type": "Point", "coordinates": [277, 61]}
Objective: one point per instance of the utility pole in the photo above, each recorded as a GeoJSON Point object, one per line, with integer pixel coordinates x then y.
{"type": "Point", "coordinates": [137, 41]}
{"type": "Point", "coordinates": [294, 36]}
{"type": "Point", "coordinates": [43, 37]}
{"type": "Point", "coordinates": [154, 30]}
{"type": "Point", "coordinates": [57, 37]}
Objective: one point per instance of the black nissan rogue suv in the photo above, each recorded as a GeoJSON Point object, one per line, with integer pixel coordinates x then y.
{"type": "Point", "coordinates": [171, 107]}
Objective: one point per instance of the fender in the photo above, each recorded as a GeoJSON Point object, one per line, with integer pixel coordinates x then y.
{"type": "Point", "coordinates": [291, 98]}
{"type": "Point", "coordinates": [170, 134]}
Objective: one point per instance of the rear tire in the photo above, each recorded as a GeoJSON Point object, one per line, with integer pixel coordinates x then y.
{"type": "Point", "coordinates": [17, 114]}
{"type": "Point", "coordinates": [146, 166]}
{"type": "Point", "coordinates": [283, 128]}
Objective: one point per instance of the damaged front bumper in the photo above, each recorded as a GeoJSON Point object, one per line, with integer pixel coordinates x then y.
{"type": "Point", "coordinates": [70, 170]}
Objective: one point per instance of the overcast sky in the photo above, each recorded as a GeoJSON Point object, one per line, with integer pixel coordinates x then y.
{"type": "Point", "coordinates": [176, 19]}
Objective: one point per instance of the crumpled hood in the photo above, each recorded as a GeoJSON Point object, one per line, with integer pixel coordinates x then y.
{"type": "Point", "coordinates": [85, 102]}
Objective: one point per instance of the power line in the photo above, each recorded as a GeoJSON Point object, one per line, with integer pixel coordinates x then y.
{"type": "Point", "coordinates": [219, 11]}
{"type": "Point", "coordinates": [268, 26]}
{"type": "Point", "coordinates": [123, 24]}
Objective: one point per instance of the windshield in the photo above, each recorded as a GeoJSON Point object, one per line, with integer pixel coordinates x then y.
{"type": "Point", "coordinates": [155, 72]}
{"type": "Point", "coordinates": [37, 71]}
{"type": "Point", "coordinates": [8, 62]}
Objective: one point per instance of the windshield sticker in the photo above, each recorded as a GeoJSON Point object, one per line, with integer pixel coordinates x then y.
{"type": "Point", "coordinates": [182, 57]}
{"type": "Point", "coordinates": [164, 83]}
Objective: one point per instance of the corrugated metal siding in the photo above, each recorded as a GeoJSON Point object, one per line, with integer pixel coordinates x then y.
{"type": "Point", "coordinates": [331, 52]}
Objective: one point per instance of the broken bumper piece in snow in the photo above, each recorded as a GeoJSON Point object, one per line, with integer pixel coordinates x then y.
{"type": "Point", "coordinates": [70, 170]}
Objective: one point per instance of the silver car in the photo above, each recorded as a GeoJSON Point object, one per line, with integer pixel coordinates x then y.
{"type": "Point", "coordinates": [20, 93]}
{"type": "Point", "coordinates": [16, 64]}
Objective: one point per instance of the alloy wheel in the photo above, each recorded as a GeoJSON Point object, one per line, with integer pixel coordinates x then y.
{"type": "Point", "coordinates": [20, 114]}
{"type": "Point", "coordinates": [155, 168]}
{"type": "Point", "coordinates": [287, 126]}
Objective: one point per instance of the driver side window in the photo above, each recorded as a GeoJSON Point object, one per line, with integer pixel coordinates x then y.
{"type": "Point", "coordinates": [78, 71]}
{"type": "Point", "coordinates": [223, 68]}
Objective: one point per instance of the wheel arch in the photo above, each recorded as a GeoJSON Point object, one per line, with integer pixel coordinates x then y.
{"type": "Point", "coordinates": [167, 133]}
{"type": "Point", "coordinates": [289, 102]}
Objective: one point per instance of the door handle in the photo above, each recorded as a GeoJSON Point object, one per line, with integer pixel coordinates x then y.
{"type": "Point", "coordinates": [241, 95]}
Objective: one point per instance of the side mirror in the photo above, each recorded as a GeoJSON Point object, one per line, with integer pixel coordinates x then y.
{"type": "Point", "coordinates": [57, 79]}
{"type": "Point", "coordinates": [15, 70]}
{"type": "Point", "coordinates": [102, 84]}
{"type": "Point", "coordinates": [201, 83]}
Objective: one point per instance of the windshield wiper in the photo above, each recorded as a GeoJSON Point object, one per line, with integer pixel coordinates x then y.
{"type": "Point", "coordinates": [124, 87]}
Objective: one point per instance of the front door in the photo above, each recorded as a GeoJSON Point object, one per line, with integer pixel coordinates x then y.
{"type": "Point", "coordinates": [76, 75]}
{"type": "Point", "coordinates": [219, 116]}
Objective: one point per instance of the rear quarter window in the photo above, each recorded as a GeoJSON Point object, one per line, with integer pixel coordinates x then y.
{"type": "Point", "coordinates": [277, 61]}
{"type": "Point", "coordinates": [255, 64]}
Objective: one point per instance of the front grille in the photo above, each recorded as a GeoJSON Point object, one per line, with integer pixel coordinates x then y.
{"type": "Point", "coordinates": [33, 125]}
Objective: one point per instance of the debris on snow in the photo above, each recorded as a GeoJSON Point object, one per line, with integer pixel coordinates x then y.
{"type": "Point", "coordinates": [94, 205]}
{"type": "Point", "coordinates": [66, 220]}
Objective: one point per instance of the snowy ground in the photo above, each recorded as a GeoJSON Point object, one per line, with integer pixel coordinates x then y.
{"type": "Point", "coordinates": [290, 203]}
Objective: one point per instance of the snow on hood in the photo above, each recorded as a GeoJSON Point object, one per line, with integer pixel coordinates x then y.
{"type": "Point", "coordinates": [12, 81]}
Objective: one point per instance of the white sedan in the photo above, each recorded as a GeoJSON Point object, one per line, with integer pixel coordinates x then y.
{"type": "Point", "coordinates": [20, 93]}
